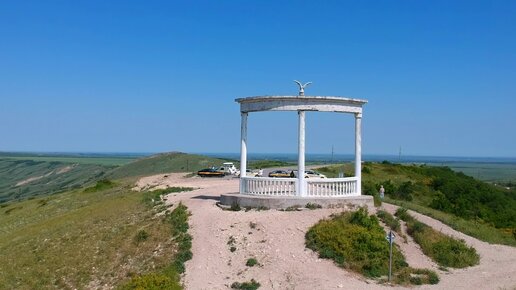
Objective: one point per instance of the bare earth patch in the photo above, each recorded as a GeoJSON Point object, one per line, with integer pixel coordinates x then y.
{"type": "Point", "coordinates": [276, 240]}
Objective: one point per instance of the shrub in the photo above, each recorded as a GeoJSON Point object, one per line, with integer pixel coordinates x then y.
{"type": "Point", "coordinates": [389, 220]}
{"type": "Point", "coordinates": [404, 191]}
{"type": "Point", "coordinates": [415, 277]}
{"type": "Point", "coordinates": [368, 188]}
{"type": "Point", "coordinates": [251, 262]}
{"type": "Point", "coordinates": [313, 205]}
{"type": "Point", "coordinates": [235, 207]}
{"type": "Point", "coordinates": [355, 241]}
{"type": "Point", "coordinates": [252, 285]}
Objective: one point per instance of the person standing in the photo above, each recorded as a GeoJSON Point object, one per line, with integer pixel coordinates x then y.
{"type": "Point", "coordinates": [382, 191]}
{"type": "Point", "coordinates": [260, 173]}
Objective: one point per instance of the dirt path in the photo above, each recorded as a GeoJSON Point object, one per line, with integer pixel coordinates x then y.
{"type": "Point", "coordinates": [276, 240]}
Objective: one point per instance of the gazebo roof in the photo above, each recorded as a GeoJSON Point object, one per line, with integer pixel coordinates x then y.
{"type": "Point", "coordinates": [301, 103]}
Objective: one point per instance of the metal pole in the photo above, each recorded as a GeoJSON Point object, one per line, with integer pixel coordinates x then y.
{"type": "Point", "coordinates": [390, 255]}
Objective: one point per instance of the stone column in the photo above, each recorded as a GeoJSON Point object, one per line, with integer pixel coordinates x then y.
{"type": "Point", "coordinates": [243, 150]}
{"type": "Point", "coordinates": [301, 156]}
{"type": "Point", "coordinates": [358, 151]}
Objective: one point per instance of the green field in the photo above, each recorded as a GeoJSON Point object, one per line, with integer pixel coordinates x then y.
{"type": "Point", "coordinates": [491, 172]}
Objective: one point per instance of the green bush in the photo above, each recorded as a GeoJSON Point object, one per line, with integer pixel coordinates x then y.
{"type": "Point", "coordinates": [252, 285]}
{"type": "Point", "coordinates": [355, 241]}
{"type": "Point", "coordinates": [415, 277]}
{"type": "Point", "coordinates": [368, 188]}
{"type": "Point", "coordinates": [404, 191]}
{"type": "Point", "coordinates": [389, 220]}
{"type": "Point", "coordinates": [251, 262]}
{"type": "Point", "coordinates": [444, 250]}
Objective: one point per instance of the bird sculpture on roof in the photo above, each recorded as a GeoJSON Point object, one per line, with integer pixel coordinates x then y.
{"type": "Point", "coordinates": [302, 87]}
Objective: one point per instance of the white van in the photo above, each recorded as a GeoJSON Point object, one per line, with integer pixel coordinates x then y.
{"type": "Point", "coordinates": [228, 168]}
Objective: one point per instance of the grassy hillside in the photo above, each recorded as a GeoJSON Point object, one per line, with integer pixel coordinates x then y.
{"type": "Point", "coordinates": [21, 179]}
{"type": "Point", "coordinates": [485, 211]}
{"type": "Point", "coordinates": [166, 162]}
{"type": "Point", "coordinates": [81, 239]}
{"type": "Point", "coordinates": [26, 176]}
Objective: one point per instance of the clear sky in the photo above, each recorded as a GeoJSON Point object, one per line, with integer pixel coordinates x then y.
{"type": "Point", "coordinates": [151, 76]}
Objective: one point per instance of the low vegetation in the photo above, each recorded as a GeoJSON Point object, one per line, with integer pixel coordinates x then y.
{"type": "Point", "coordinates": [164, 163]}
{"type": "Point", "coordinates": [356, 241]}
{"type": "Point", "coordinates": [82, 240]}
{"type": "Point", "coordinates": [392, 222]}
{"type": "Point", "coordinates": [251, 285]}
{"type": "Point", "coordinates": [251, 262]}
{"type": "Point", "coordinates": [444, 250]}
{"type": "Point", "coordinates": [313, 206]}
{"type": "Point", "coordinates": [102, 184]}
{"type": "Point", "coordinates": [168, 277]}
{"type": "Point", "coordinates": [485, 211]}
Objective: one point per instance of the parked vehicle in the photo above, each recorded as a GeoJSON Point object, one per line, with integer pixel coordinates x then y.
{"type": "Point", "coordinates": [228, 168]}
{"type": "Point", "coordinates": [249, 173]}
{"type": "Point", "coordinates": [210, 172]}
{"type": "Point", "coordinates": [279, 173]}
{"type": "Point", "coordinates": [309, 174]}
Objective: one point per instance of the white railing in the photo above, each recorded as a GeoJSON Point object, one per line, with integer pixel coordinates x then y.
{"type": "Point", "coordinates": [315, 187]}
{"type": "Point", "coordinates": [268, 186]}
{"type": "Point", "coordinates": [331, 187]}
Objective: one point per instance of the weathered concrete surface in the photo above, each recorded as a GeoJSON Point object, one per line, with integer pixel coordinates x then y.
{"type": "Point", "coordinates": [284, 202]}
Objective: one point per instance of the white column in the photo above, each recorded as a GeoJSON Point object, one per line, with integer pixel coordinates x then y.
{"type": "Point", "coordinates": [358, 151]}
{"type": "Point", "coordinates": [243, 149]}
{"type": "Point", "coordinates": [301, 155]}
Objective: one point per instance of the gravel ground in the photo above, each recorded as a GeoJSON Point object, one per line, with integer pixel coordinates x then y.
{"type": "Point", "coordinates": [276, 240]}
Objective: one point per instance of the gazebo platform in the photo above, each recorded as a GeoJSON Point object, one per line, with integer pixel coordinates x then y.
{"type": "Point", "coordinates": [282, 202]}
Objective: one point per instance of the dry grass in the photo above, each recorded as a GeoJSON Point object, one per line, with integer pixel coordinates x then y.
{"type": "Point", "coordinates": [80, 240]}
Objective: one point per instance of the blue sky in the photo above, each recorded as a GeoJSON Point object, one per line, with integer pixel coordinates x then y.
{"type": "Point", "coordinates": [151, 76]}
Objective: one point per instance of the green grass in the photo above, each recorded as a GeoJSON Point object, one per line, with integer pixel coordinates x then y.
{"type": "Point", "coordinates": [472, 228]}
{"type": "Point", "coordinates": [470, 206]}
{"type": "Point", "coordinates": [165, 163]}
{"type": "Point", "coordinates": [356, 241]}
{"type": "Point", "coordinates": [22, 179]}
{"type": "Point", "coordinates": [78, 240]}
{"type": "Point", "coordinates": [444, 250]}
{"type": "Point", "coordinates": [101, 185]}
{"type": "Point", "coordinates": [27, 176]}
{"type": "Point", "coordinates": [168, 277]}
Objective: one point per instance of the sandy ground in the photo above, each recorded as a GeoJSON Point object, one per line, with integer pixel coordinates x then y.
{"type": "Point", "coordinates": [276, 240]}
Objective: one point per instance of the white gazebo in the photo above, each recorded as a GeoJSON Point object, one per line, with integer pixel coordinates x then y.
{"type": "Point", "coordinates": [301, 187]}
